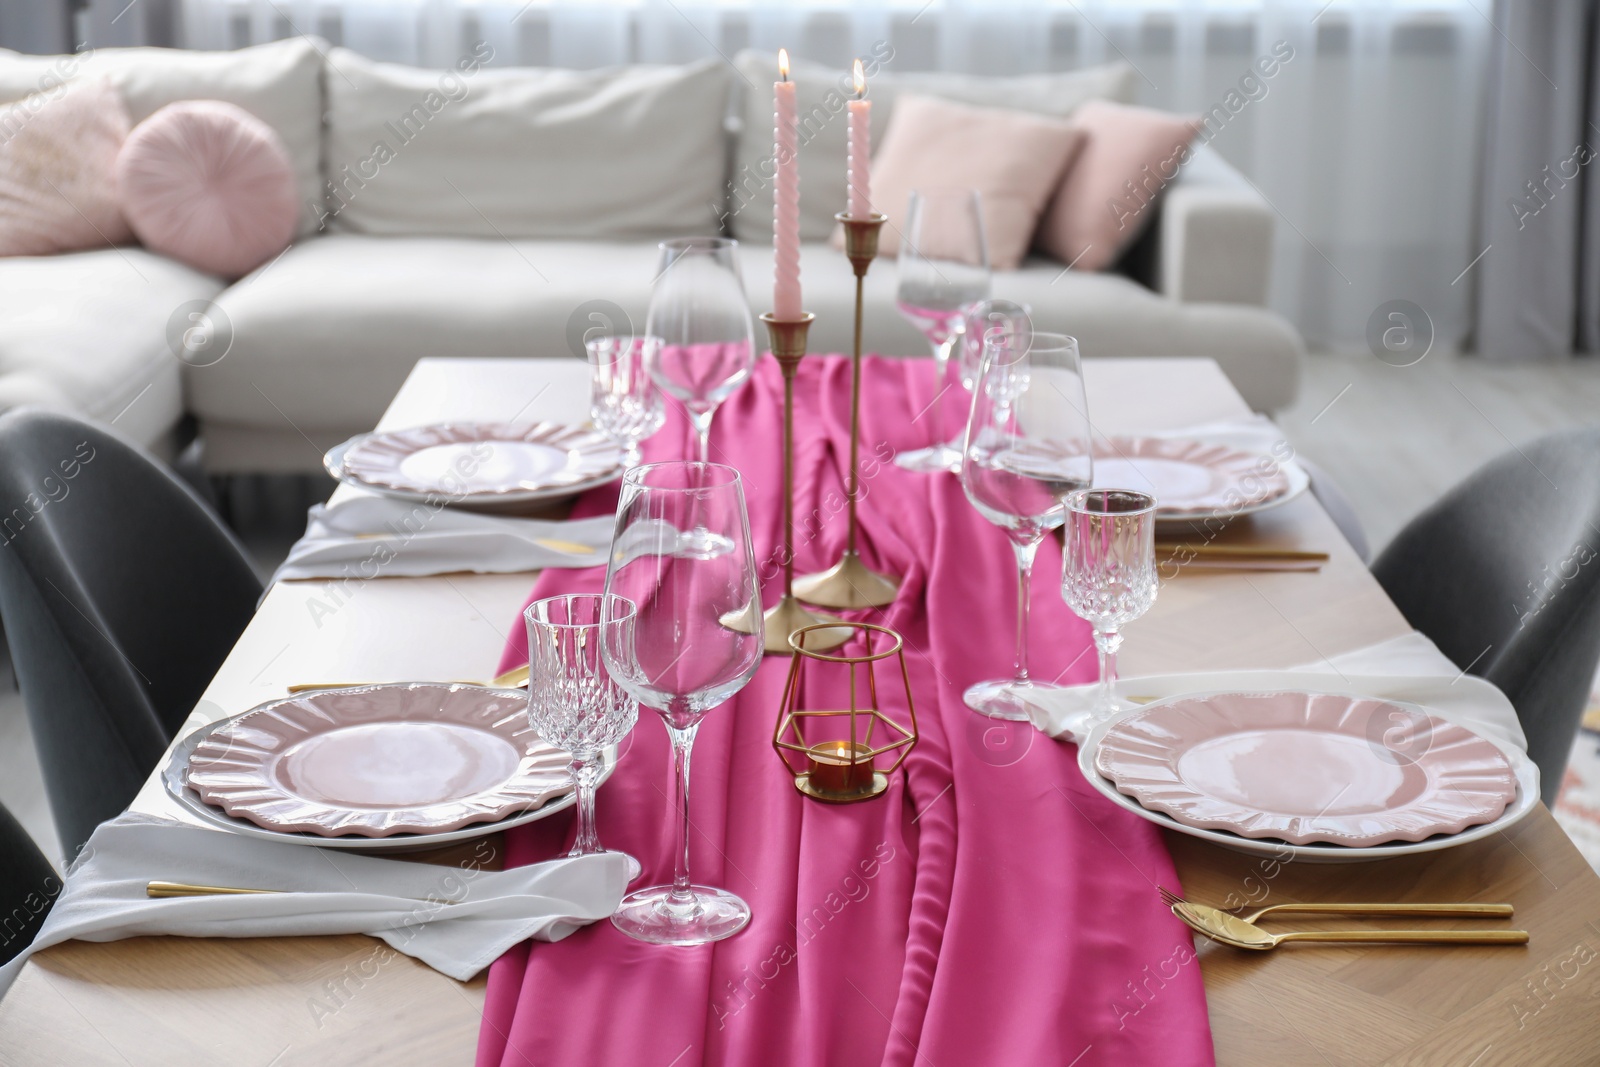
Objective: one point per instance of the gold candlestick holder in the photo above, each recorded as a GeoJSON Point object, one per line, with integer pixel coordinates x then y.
{"type": "Point", "coordinates": [850, 583]}
{"type": "Point", "coordinates": [788, 340]}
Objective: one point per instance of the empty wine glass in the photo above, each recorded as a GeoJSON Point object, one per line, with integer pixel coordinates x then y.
{"type": "Point", "coordinates": [943, 272]}
{"type": "Point", "coordinates": [572, 701]}
{"type": "Point", "coordinates": [695, 640]}
{"type": "Point", "coordinates": [700, 341]}
{"type": "Point", "coordinates": [623, 398]}
{"type": "Point", "coordinates": [981, 318]}
{"type": "Point", "coordinates": [1108, 577]}
{"type": "Point", "coordinates": [1027, 446]}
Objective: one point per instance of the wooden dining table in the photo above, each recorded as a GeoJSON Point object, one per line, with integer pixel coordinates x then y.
{"type": "Point", "coordinates": [275, 1002]}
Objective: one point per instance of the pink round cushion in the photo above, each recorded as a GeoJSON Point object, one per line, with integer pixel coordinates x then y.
{"type": "Point", "coordinates": [210, 185]}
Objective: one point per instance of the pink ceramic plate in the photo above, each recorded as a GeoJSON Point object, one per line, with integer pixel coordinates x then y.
{"type": "Point", "coordinates": [1304, 767]}
{"type": "Point", "coordinates": [1189, 477]}
{"type": "Point", "coordinates": [419, 757]}
{"type": "Point", "coordinates": [484, 460]}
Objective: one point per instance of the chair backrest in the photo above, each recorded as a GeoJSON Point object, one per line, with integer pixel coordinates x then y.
{"type": "Point", "coordinates": [28, 887]}
{"type": "Point", "coordinates": [1503, 574]}
{"type": "Point", "coordinates": [121, 595]}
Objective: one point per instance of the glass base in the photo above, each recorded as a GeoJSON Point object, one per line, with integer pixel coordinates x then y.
{"type": "Point", "coordinates": [651, 915]}
{"type": "Point", "coordinates": [931, 460]}
{"type": "Point", "coordinates": [1003, 699]}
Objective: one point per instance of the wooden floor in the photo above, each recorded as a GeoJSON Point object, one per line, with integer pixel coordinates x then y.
{"type": "Point", "coordinates": [1394, 438]}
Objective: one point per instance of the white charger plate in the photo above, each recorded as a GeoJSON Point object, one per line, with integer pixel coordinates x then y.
{"type": "Point", "coordinates": [1527, 775]}
{"type": "Point", "coordinates": [174, 778]}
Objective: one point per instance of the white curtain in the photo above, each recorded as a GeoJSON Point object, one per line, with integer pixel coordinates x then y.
{"type": "Point", "coordinates": [1365, 141]}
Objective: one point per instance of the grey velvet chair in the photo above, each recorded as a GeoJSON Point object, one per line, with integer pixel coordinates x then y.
{"type": "Point", "coordinates": [1503, 573]}
{"type": "Point", "coordinates": [28, 887]}
{"type": "Point", "coordinates": [121, 595]}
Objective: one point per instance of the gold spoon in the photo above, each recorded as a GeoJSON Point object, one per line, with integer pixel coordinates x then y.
{"type": "Point", "coordinates": [1231, 930]}
{"type": "Point", "coordinates": [1460, 911]}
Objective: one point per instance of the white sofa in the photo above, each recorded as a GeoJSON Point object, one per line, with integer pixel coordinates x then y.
{"type": "Point", "coordinates": [515, 208]}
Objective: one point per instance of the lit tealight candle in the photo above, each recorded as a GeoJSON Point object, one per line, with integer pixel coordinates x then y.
{"type": "Point", "coordinates": [831, 769]}
{"type": "Point", "coordinates": [859, 172]}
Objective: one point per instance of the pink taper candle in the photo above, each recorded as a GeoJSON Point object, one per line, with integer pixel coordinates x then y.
{"type": "Point", "coordinates": [859, 174]}
{"type": "Point", "coordinates": [786, 216]}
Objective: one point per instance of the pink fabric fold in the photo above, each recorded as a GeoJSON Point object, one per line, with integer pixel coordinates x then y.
{"type": "Point", "coordinates": [991, 908]}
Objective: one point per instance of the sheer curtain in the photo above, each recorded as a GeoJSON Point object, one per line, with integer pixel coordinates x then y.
{"type": "Point", "coordinates": [1364, 140]}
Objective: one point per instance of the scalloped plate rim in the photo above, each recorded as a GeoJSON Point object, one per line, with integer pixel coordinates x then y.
{"type": "Point", "coordinates": [333, 461]}
{"type": "Point", "coordinates": [370, 823]}
{"type": "Point", "coordinates": [1527, 798]}
{"type": "Point", "coordinates": [176, 764]}
{"type": "Point", "coordinates": [1229, 820]}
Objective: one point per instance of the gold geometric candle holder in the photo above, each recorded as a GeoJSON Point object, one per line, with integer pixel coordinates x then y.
{"type": "Point", "coordinates": [842, 746]}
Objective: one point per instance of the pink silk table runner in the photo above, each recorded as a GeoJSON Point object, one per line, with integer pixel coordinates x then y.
{"type": "Point", "coordinates": [991, 908]}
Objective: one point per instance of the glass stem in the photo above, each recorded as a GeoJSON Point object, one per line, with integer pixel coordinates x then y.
{"type": "Point", "coordinates": [586, 773]}
{"type": "Point", "coordinates": [701, 421]}
{"type": "Point", "coordinates": [1025, 554]}
{"type": "Point", "coordinates": [1106, 642]}
{"type": "Point", "coordinates": [941, 366]}
{"type": "Point", "coordinates": [682, 742]}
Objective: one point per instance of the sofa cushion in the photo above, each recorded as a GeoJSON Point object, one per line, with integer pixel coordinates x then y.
{"type": "Point", "coordinates": [530, 152]}
{"type": "Point", "coordinates": [821, 94]}
{"type": "Point", "coordinates": [1013, 159]}
{"type": "Point", "coordinates": [279, 83]}
{"type": "Point", "coordinates": [1107, 195]}
{"type": "Point", "coordinates": [57, 160]}
{"type": "Point", "coordinates": [87, 332]}
{"type": "Point", "coordinates": [210, 185]}
{"type": "Point", "coordinates": [324, 337]}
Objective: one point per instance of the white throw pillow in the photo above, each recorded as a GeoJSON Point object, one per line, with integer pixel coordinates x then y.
{"type": "Point", "coordinates": [279, 83]}
{"type": "Point", "coordinates": [821, 93]}
{"type": "Point", "coordinates": [525, 152]}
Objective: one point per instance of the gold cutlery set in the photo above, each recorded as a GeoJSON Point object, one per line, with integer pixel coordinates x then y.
{"type": "Point", "coordinates": [1204, 555]}
{"type": "Point", "coordinates": [1239, 929]}
{"type": "Point", "coordinates": [515, 678]}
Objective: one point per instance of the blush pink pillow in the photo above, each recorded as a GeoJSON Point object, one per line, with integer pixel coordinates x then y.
{"type": "Point", "coordinates": [1014, 159]}
{"type": "Point", "coordinates": [57, 154]}
{"type": "Point", "coordinates": [210, 185]}
{"type": "Point", "coordinates": [1107, 195]}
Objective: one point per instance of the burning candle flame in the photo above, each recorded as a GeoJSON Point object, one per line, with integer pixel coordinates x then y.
{"type": "Point", "coordinates": [783, 63]}
{"type": "Point", "coordinates": [861, 80]}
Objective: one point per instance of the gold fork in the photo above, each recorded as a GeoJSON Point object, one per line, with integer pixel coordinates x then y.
{"type": "Point", "coordinates": [1459, 911]}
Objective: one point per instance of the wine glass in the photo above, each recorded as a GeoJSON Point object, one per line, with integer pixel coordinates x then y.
{"type": "Point", "coordinates": [1108, 577]}
{"type": "Point", "coordinates": [695, 640]}
{"type": "Point", "coordinates": [572, 701]}
{"type": "Point", "coordinates": [1027, 446]}
{"type": "Point", "coordinates": [700, 342]}
{"type": "Point", "coordinates": [981, 318]}
{"type": "Point", "coordinates": [943, 272]}
{"type": "Point", "coordinates": [623, 398]}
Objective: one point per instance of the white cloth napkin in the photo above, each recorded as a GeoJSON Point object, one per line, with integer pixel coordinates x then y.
{"type": "Point", "coordinates": [332, 892]}
{"type": "Point", "coordinates": [370, 536]}
{"type": "Point", "coordinates": [1409, 668]}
